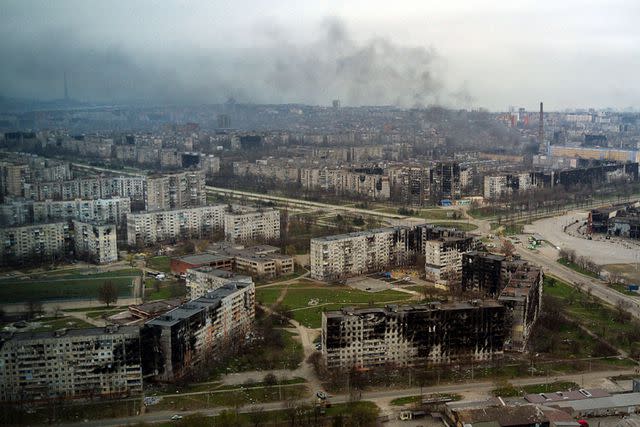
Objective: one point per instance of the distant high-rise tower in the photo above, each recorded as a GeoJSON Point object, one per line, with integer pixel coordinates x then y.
{"type": "Point", "coordinates": [336, 103]}
{"type": "Point", "coordinates": [542, 147]}
{"type": "Point", "coordinates": [66, 88]}
{"type": "Point", "coordinates": [224, 122]}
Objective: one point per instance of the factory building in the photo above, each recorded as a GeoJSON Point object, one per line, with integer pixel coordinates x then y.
{"type": "Point", "coordinates": [418, 335]}
{"type": "Point", "coordinates": [70, 364]}
{"type": "Point", "coordinates": [623, 221]}
{"type": "Point", "coordinates": [185, 340]}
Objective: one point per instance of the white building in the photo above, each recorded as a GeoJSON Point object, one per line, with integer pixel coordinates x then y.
{"type": "Point", "coordinates": [151, 227]}
{"type": "Point", "coordinates": [202, 280]}
{"type": "Point", "coordinates": [33, 242]}
{"type": "Point", "coordinates": [443, 256]}
{"type": "Point", "coordinates": [246, 224]}
{"type": "Point", "coordinates": [95, 242]}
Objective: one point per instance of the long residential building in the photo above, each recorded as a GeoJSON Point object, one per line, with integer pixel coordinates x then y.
{"type": "Point", "coordinates": [133, 187]}
{"type": "Point", "coordinates": [187, 339]}
{"type": "Point", "coordinates": [18, 212]}
{"type": "Point", "coordinates": [150, 227]}
{"type": "Point", "coordinates": [418, 335]}
{"type": "Point", "coordinates": [344, 255]}
{"type": "Point", "coordinates": [34, 242]}
{"type": "Point", "coordinates": [248, 224]}
{"type": "Point", "coordinates": [176, 191]}
{"type": "Point", "coordinates": [70, 364]}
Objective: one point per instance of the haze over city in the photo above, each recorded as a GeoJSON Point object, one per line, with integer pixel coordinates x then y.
{"type": "Point", "coordinates": [462, 54]}
{"type": "Point", "coordinates": [321, 214]}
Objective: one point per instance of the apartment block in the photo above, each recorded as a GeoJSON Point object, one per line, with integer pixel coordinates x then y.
{"type": "Point", "coordinates": [418, 335]}
{"type": "Point", "coordinates": [176, 191]}
{"type": "Point", "coordinates": [344, 255]}
{"type": "Point", "coordinates": [150, 227]}
{"type": "Point", "coordinates": [185, 340]}
{"type": "Point", "coordinates": [522, 296]}
{"type": "Point", "coordinates": [133, 187]}
{"type": "Point", "coordinates": [70, 364]}
{"type": "Point", "coordinates": [34, 242]}
{"type": "Point", "coordinates": [95, 242]}
{"type": "Point", "coordinates": [201, 280]}
{"type": "Point", "coordinates": [247, 224]}
{"type": "Point", "coordinates": [484, 272]}
{"type": "Point", "coordinates": [443, 257]}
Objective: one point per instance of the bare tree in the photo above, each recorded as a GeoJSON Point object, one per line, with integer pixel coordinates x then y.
{"type": "Point", "coordinates": [108, 293]}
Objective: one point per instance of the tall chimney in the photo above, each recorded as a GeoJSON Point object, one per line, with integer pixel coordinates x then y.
{"type": "Point", "coordinates": [542, 147]}
{"type": "Point", "coordinates": [66, 89]}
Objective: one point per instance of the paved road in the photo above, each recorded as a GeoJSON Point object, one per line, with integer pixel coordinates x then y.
{"type": "Point", "coordinates": [601, 251]}
{"type": "Point", "coordinates": [597, 287]}
{"type": "Point", "coordinates": [592, 379]}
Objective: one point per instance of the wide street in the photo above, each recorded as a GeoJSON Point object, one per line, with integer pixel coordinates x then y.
{"type": "Point", "coordinates": [477, 388]}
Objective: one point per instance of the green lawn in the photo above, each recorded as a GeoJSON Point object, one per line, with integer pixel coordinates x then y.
{"type": "Point", "coordinates": [463, 226]}
{"type": "Point", "coordinates": [71, 287]}
{"type": "Point", "coordinates": [512, 391]}
{"type": "Point", "coordinates": [52, 324]}
{"type": "Point", "coordinates": [576, 267]}
{"type": "Point", "coordinates": [160, 263]}
{"type": "Point", "coordinates": [167, 289]}
{"type": "Point", "coordinates": [607, 322]}
{"type": "Point", "coordinates": [300, 294]}
{"type": "Point", "coordinates": [438, 214]}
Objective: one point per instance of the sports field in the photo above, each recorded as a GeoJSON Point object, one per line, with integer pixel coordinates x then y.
{"type": "Point", "coordinates": [65, 286]}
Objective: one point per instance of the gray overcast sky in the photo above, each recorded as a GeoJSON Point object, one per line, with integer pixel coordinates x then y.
{"type": "Point", "coordinates": [458, 53]}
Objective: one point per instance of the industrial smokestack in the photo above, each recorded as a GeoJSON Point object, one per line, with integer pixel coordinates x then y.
{"type": "Point", "coordinates": [66, 89]}
{"type": "Point", "coordinates": [541, 144]}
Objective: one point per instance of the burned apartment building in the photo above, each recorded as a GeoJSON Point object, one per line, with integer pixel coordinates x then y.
{"type": "Point", "coordinates": [516, 284]}
{"type": "Point", "coordinates": [445, 181]}
{"type": "Point", "coordinates": [70, 364]}
{"type": "Point", "coordinates": [483, 272]}
{"type": "Point", "coordinates": [183, 341]}
{"type": "Point", "coordinates": [623, 221]}
{"type": "Point", "coordinates": [522, 297]}
{"type": "Point", "coordinates": [201, 280]}
{"type": "Point", "coordinates": [414, 335]}
{"type": "Point", "coordinates": [344, 255]}
{"type": "Point", "coordinates": [443, 257]}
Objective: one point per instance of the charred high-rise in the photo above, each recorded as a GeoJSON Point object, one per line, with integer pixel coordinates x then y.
{"type": "Point", "coordinates": [417, 335]}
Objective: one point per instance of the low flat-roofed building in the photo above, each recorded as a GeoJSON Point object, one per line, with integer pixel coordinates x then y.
{"type": "Point", "coordinates": [202, 280]}
{"type": "Point", "coordinates": [153, 308]}
{"type": "Point", "coordinates": [217, 261]}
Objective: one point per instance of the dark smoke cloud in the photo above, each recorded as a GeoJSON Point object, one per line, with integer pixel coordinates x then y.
{"type": "Point", "coordinates": [334, 65]}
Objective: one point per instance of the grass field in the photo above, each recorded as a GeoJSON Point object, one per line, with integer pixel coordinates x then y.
{"type": "Point", "coordinates": [463, 226]}
{"type": "Point", "coordinates": [160, 263]}
{"type": "Point", "coordinates": [576, 267]}
{"type": "Point", "coordinates": [62, 287]}
{"type": "Point", "coordinates": [511, 391]}
{"type": "Point", "coordinates": [607, 322]}
{"type": "Point", "coordinates": [299, 295]}
{"type": "Point", "coordinates": [54, 323]}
